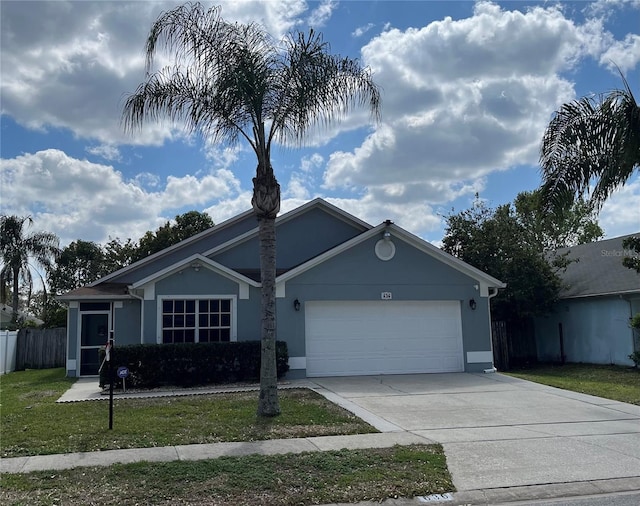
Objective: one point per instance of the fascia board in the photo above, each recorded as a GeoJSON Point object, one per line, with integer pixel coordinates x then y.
{"type": "Point", "coordinates": [602, 294]}
{"type": "Point", "coordinates": [206, 262]}
{"type": "Point", "coordinates": [94, 297]}
{"type": "Point", "coordinates": [213, 230]}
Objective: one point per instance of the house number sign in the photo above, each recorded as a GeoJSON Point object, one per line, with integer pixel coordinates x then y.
{"type": "Point", "coordinates": [386, 296]}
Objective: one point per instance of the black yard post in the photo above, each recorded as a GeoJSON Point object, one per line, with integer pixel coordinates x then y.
{"type": "Point", "coordinates": [111, 379]}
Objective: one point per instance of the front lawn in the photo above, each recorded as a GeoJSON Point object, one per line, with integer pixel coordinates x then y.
{"type": "Point", "coordinates": [33, 424]}
{"type": "Point", "coordinates": [618, 383]}
{"type": "Point", "coordinates": [282, 480]}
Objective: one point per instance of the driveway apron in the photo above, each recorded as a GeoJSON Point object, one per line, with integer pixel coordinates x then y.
{"type": "Point", "coordinates": [499, 431]}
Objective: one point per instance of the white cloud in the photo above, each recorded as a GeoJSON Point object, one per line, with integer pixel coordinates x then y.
{"type": "Point", "coordinates": [461, 99]}
{"type": "Point", "coordinates": [297, 188]}
{"type": "Point", "coordinates": [310, 163]}
{"type": "Point", "coordinates": [221, 156]}
{"type": "Point", "coordinates": [107, 151]}
{"type": "Point", "coordinates": [71, 64]}
{"type": "Point", "coordinates": [606, 8]}
{"type": "Point", "coordinates": [361, 30]}
{"type": "Point", "coordinates": [625, 54]}
{"type": "Point", "coordinates": [146, 180]}
{"type": "Point", "coordinates": [80, 199]}
{"type": "Point", "coordinates": [416, 216]}
{"type": "Point", "coordinates": [620, 215]}
{"type": "Point", "coordinates": [321, 14]}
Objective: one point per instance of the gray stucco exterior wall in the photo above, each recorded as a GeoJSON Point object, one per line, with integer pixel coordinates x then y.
{"type": "Point", "coordinates": [595, 330]}
{"type": "Point", "coordinates": [358, 274]}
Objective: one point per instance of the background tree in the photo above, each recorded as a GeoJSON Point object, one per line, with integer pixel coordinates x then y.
{"type": "Point", "coordinates": [492, 240]}
{"type": "Point", "coordinates": [18, 249]}
{"type": "Point", "coordinates": [185, 226]}
{"type": "Point", "coordinates": [514, 244]}
{"type": "Point", "coordinates": [119, 254]}
{"type": "Point", "coordinates": [231, 81]}
{"type": "Point", "coordinates": [632, 249]}
{"type": "Point", "coordinates": [547, 231]}
{"type": "Point", "coordinates": [590, 139]}
{"type": "Point", "coordinates": [79, 263]}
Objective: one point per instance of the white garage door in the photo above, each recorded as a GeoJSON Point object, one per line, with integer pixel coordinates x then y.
{"type": "Point", "coordinates": [347, 338]}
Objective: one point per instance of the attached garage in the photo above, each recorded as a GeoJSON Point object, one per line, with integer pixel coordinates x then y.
{"type": "Point", "coordinates": [349, 338]}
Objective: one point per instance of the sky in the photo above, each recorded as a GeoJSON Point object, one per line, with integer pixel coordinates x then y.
{"type": "Point", "coordinates": [467, 91]}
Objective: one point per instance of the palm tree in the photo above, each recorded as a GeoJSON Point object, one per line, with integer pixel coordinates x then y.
{"type": "Point", "coordinates": [17, 248]}
{"type": "Point", "coordinates": [590, 140]}
{"type": "Point", "coordinates": [231, 81]}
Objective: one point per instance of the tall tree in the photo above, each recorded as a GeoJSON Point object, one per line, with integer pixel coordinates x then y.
{"type": "Point", "coordinates": [593, 139]}
{"type": "Point", "coordinates": [18, 248]}
{"type": "Point", "coordinates": [79, 263]}
{"type": "Point", "coordinates": [231, 81]}
{"type": "Point", "coordinates": [547, 232]}
{"type": "Point", "coordinates": [515, 244]}
{"type": "Point", "coordinates": [631, 257]}
{"type": "Point", "coordinates": [185, 226]}
{"type": "Point", "coordinates": [119, 254]}
{"type": "Point", "coordinates": [494, 241]}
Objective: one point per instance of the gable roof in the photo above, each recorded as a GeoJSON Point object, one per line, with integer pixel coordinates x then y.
{"type": "Point", "coordinates": [420, 244]}
{"type": "Point", "coordinates": [253, 232]}
{"type": "Point", "coordinates": [599, 270]}
{"type": "Point", "coordinates": [196, 261]}
{"type": "Point", "coordinates": [106, 288]}
{"type": "Point", "coordinates": [186, 242]}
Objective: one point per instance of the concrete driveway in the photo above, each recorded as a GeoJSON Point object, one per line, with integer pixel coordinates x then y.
{"type": "Point", "coordinates": [499, 431]}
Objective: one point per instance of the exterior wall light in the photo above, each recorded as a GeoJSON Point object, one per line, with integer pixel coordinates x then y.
{"type": "Point", "coordinates": [296, 305]}
{"type": "Point", "coordinates": [387, 235]}
{"type": "Point", "coordinates": [472, 304]}
{"type": "Point", "coordinates": [196, 266]}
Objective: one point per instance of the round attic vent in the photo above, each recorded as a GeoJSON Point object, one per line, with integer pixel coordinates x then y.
{"type": "Point", "coordinates": [385, 249]}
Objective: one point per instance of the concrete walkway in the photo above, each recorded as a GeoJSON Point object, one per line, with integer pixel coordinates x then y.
{"type": "Point", "coordinates": [505, 439]}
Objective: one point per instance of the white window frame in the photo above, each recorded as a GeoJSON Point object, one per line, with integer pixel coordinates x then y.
{"type": "Point", "coordinates": [234, 312]}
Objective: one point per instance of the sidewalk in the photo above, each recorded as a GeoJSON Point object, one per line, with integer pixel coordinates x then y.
{"type": "Point", "coordinates": [87, 390]}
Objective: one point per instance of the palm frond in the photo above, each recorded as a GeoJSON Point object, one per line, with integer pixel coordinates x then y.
{"type": "Point", "coordinates": [317, 87]}
{"type": "Point", "coordinates": [593, 140]}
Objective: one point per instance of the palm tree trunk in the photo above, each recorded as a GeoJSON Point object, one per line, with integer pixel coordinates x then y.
{"type": "Point", "coordinates": [14, 296]}
{"type": "Point", "coordinates": [266, 204]}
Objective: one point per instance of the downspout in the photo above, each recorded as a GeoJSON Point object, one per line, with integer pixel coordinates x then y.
{"type": "Point", "coordinates": [141, 299]}
{"type": "Point", "coordinates": [491, 295]}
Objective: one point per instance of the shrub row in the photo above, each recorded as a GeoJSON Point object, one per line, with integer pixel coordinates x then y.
{"type": "Point", "coordinates": [190, 364]}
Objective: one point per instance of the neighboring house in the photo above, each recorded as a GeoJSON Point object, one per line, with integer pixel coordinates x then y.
{"type": "Point", "coordinates": [352, 299]}
{"type": "Point", "coordinates": [590, 323]}
{"type": "Point", "coordinates": [6, 312]}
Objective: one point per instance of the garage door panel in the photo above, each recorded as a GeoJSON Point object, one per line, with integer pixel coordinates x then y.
{"type": "Point", "coordinates": [383, 337]}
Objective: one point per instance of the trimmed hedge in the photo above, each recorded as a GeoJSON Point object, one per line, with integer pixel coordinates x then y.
{"type": "Point", "coordinates": [190, 364]}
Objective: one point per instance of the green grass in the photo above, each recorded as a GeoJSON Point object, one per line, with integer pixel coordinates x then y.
{"type": "Point", "coordinates": [609, 381]}
{"type": "Point", "coordinates": [33, 424]}
{"type": "Point", "coordinates": [293, 479]}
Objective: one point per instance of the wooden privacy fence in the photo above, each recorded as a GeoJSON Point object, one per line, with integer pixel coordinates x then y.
{"type": "Point", "coordinates": [514, 344]}
{"type": "Point", "coordinates": [41, 348]}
